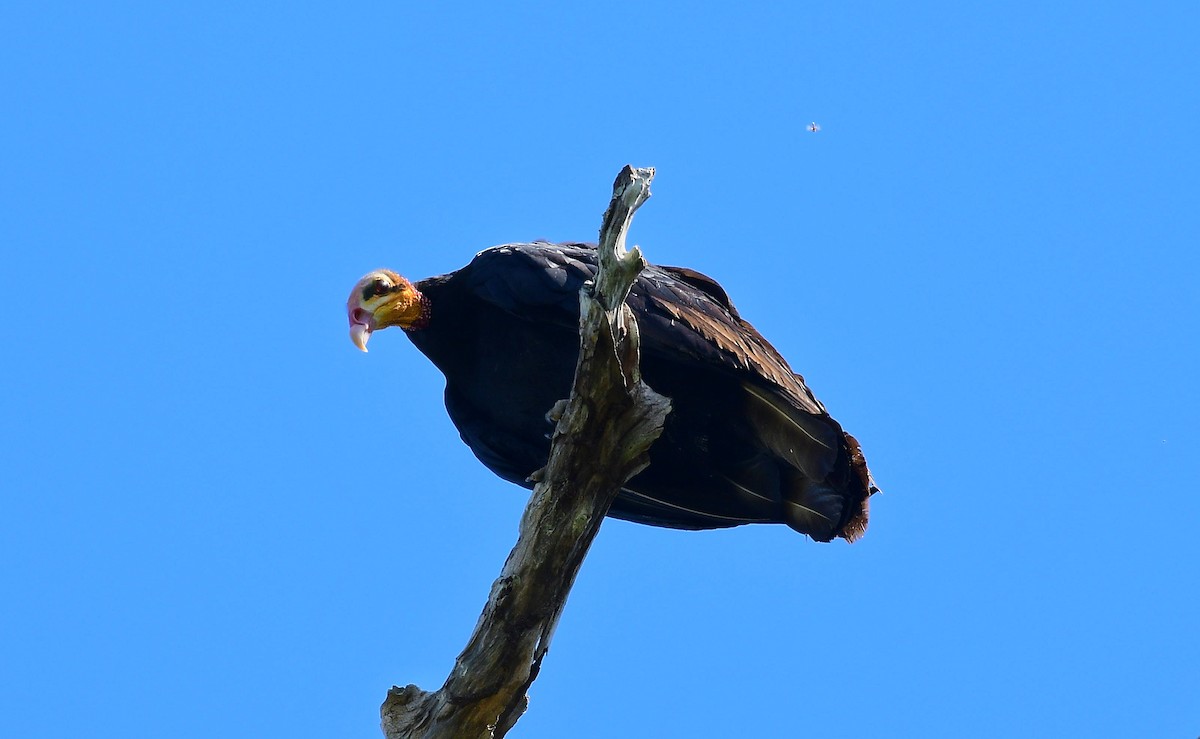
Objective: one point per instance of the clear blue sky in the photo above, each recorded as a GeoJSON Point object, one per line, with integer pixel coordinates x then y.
{"type": "Point", "coordinates": [218, 519]}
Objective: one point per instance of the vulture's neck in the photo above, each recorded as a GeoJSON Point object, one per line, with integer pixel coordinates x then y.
{"type": "Point", "coordinates": [422, 319]}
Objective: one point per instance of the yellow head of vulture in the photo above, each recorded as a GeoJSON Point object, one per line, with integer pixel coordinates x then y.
{"type": "Point", "coordinates": [382, 299]}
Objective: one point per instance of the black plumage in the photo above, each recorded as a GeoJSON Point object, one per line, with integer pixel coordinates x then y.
{"type": "Point", "coordinates": [746, 441]}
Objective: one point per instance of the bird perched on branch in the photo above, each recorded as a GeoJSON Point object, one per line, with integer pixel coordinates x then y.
{"type": "Point", "coordinates": [745, 442]}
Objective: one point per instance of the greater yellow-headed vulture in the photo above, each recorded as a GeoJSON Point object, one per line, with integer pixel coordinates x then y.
{"type": "Point", "coordinates": [745, 442]}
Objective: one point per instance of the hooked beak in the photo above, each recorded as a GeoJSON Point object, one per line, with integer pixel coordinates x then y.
{"type": "Point", "coordinates": [362, 324]}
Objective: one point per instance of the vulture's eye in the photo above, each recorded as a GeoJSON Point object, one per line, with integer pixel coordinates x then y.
{"type": "Point", "coordinates": [373, 289]}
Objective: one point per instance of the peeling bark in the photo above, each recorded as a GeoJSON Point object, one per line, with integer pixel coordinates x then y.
{"type": "Point", "coordinates": [601, 441]}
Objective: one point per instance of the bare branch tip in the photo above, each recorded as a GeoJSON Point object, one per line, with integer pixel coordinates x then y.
{"type": "Point", "coordinates": [632, 186]}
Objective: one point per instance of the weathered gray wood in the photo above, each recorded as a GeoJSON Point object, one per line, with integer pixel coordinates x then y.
{"type": "Point", "coordinates": [601, 441]}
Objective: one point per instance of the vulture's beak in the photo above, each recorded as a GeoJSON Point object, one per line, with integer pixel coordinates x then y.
{"type": "Point", "coordinates": [362, 323]}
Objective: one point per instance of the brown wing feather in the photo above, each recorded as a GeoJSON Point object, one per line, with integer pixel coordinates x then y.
{"type": "Point", "coordinates": [701, 306]}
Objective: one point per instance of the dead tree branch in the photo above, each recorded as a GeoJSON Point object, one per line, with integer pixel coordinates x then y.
{"type": "Point", "coordinates": [601, 441]}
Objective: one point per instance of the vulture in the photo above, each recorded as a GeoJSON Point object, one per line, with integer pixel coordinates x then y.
{"type": "Point", "coordinates": [746, 441]}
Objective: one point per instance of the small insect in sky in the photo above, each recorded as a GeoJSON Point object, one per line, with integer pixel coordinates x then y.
{"type": "Point", "coordinates": [813, 127]}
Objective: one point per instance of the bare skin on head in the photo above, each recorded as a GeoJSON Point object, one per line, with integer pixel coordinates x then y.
{"type": "Point", "coordinates": [382, 299]}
